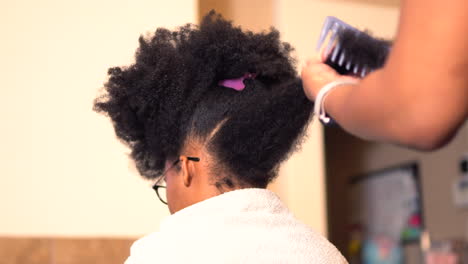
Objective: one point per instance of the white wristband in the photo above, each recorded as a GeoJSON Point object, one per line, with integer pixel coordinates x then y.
{"type": "Point", "coordinates": [319, 107]}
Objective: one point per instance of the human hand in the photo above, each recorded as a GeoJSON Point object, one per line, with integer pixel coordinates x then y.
{"type": "Point", "coordinates": [316, 74]}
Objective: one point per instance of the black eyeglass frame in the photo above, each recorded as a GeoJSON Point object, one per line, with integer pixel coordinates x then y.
{"type": "Point", "coordinates": [158, 186]}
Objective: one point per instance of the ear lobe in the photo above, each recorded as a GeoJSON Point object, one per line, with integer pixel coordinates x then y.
{"type": "Point", "coordinates": [185, 171]}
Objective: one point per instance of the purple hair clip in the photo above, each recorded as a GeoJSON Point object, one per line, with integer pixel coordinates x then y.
{"type": "Point", "coordinates": [238, 83]}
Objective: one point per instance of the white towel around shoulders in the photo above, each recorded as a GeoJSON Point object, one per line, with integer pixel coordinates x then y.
{"type": "Point", "coordinates": [242, 226]}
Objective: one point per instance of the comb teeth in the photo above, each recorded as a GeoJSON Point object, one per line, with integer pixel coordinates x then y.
{"type": "Point", "coordinates": [363, 71]}
{"type": "Point", "coordinates": [324, 32]}
{"type": "Point", "coordinates": [333, 27]}
{"type": "Point", "coordinates": [333, 37]}
{"type": "Point", "coordinates": [333, 41]}
{"type": "Point", "coordinates": [348, 65]}
{"type": "Point", "coordinates": [336, 50]}
{"type": "Point", "coordinates": [342, 58]}
{"type": "Point", "coordinates": [356, 68]}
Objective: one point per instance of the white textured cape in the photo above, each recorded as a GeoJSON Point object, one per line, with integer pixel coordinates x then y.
{"type": "Point", "coordinates": [243, 226]}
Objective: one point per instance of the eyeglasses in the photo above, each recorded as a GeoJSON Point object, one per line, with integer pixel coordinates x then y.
{"type": "Point", "coordinates": [160, 186]}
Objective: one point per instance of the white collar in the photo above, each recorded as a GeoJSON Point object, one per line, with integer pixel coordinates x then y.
{"type": "Point", "coordinates": [232, 202]}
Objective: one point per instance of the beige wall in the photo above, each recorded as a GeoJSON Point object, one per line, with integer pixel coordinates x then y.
{"type": "Point", "coordinates": [255, 15]}
{"type": "Point", "coordinates": [62, 170]}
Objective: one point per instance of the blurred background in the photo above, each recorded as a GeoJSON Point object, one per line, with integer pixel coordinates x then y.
{"type": "Point", "coordinates": [70, 194]}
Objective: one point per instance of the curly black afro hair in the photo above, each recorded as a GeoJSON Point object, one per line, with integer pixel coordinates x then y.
{"type": "Point", "coordinates": [171, 94]}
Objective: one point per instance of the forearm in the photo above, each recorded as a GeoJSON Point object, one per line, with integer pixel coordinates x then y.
{"type": "Point", "coordinates": [361, 111]}
{"type": "Point", "coordinates": [382, 108]}
{"type": "Point", "coordinates": [420, 97]}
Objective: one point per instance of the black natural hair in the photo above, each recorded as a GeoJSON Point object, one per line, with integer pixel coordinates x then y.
{"type": "Point", "coordinates": [171, 95]}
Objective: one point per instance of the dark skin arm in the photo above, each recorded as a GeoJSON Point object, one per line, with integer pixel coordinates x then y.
{"type": "Point", "coordinates": [420, 98]}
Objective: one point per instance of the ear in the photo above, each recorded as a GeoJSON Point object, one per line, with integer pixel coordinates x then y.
{"type": "Point", "coordinates": [187, 170]}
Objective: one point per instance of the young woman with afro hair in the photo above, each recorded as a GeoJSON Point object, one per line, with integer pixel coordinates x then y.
{"type": "Point", "coordinates": [209, 113]}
